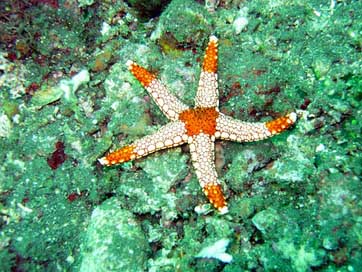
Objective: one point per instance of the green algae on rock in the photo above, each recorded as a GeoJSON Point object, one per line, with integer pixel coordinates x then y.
{"type": "Point", "coordinates": [150, 190]}
{"type": "Point", "coordinates": [291, 54]}
{"type": "Point", "coordinates": [177, 19]}
{"type": "Point", "coordinates": [114, 241]}
{"type": "Point", "coordinates": [65, 89]}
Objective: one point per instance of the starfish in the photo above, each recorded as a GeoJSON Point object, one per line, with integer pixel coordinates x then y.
{"type": "Point", "coordinates": [199, 127]}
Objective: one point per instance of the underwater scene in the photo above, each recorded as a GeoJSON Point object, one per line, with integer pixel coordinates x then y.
{"type": "Point", "coordinates": [181, 135]}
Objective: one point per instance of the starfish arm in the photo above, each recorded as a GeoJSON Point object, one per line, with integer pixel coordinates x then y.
{"type": "Point", "coordinates": [228, 128]}
{"type": "Point", "coordinates": [202, 155]}
{"type": "Point", "coordinates": [207, 92]}
{"type": "Point", "coordinates": [165, 100]}
{"type": "Point", "coordinates": [170, 135]}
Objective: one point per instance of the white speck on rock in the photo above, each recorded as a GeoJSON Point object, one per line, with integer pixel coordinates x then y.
{"type": "Point", "coordinates": [216, 251]}
{"type": "Point", "coordinates": [105, 29]}
{"type": "Point", "coordinates": [5, 126]}
{"type": "Point", "coordinates": [241, 21]}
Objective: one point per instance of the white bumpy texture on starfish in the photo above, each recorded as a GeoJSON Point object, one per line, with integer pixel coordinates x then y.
{"type": "Point", "coordinates": [198, 126]}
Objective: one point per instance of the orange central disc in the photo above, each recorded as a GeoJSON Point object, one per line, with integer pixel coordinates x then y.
{"type": "Point", "coordinates": [199, 120]}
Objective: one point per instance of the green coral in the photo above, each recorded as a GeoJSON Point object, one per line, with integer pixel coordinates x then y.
{"type": "Point", "coordinates": [187, 20]}
{"type": "Point", "coordinates": [114, 241]}
{"type": "Point", "coordinates": [149, 191]}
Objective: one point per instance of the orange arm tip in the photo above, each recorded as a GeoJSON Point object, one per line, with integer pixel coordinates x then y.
{"type": "Point", "coordinates": [121, 155]}
{"type": "Point", "coordinates": [280, 124]}
{"type": "Point", "coordinates": [210, 59]}
{"type": "Point", "coordinates": [141, 74]}
{"type": "Point", "coordinates": [216, 197]}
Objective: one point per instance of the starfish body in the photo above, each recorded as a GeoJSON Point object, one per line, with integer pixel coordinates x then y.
{"type": "Point", "coordinates": [199, 127]}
